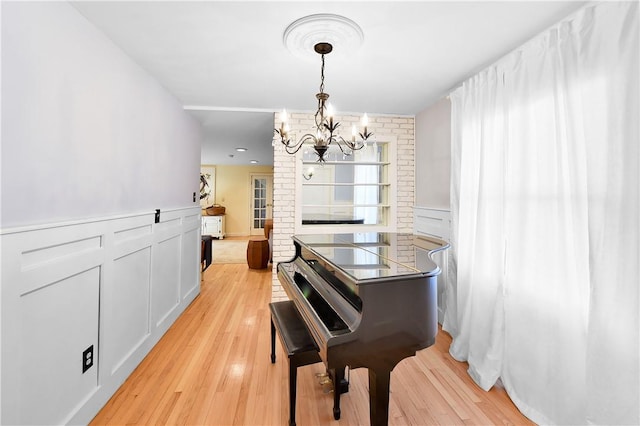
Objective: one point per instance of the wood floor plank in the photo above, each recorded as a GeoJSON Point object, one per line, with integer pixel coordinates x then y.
{"type": "Point", "coordinates": [213, 367]}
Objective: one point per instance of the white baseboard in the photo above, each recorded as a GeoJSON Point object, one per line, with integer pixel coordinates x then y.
{"type": "Point", "coordinates": [238, 234]}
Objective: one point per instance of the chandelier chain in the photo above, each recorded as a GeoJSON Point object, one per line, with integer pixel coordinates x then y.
{"type": "Point", "coordinates": [320, 109]}
{"type": "Point", "coordinates": [322, 76]}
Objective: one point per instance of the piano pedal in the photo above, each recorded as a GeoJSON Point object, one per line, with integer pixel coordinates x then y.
{"type": "Point", "coordinates": [325, 382]}
{"type": "Point", "coordinates": [328, 388]}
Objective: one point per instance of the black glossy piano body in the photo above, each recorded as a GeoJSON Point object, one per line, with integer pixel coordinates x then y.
{"type": "Point", "coordinates": [365, 303]}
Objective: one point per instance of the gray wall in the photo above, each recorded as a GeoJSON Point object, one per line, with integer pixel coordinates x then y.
{"type": "Point", "coordinates": [86, 132]}
{"type": "Point", "coordinates": [433, 155]}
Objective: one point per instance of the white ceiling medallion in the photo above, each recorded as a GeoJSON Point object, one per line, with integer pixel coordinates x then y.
{"type": "Point", "coordinates": [342, 33]}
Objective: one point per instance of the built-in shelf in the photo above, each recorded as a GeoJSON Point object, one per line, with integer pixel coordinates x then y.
{"type": "Point", "coordinates": [343, 184]}
{"type": "Point", "coordinates": [349, 190]}
{"type": "Point", "coordinates": [347, 163]}
{"type": "Point", "coordinates": [336, 206]}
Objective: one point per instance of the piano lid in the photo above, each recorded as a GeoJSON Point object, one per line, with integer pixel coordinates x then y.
{"type": "Point", "coordinates": [367, 257]}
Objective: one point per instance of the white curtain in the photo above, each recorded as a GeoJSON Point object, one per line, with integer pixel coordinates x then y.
{"type": "Point", "coordinates": [545, 215]}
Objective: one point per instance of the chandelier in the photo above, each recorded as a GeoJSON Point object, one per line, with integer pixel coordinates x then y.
{"type": "Point", "coordinates": [325, 127]}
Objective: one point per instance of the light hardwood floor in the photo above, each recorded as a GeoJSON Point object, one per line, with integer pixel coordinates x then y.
{"type": "Point", "coordinates": [213, 368]}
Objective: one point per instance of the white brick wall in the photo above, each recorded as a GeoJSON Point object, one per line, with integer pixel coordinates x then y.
{"type": "Point", "coordinates": [284, 179]}
{"type": "Point", "coordinates": [283, 211]}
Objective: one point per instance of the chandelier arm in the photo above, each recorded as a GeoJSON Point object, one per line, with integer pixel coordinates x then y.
{"type": "Point", "coordinates": [289, 146]}
{"type": "Point", "coordinates": [340, 140]}
{"type": "Point", "coordinates": [292, 149]}
{"type": "Point", "coordinates": [308, 137]}
{"type": "Point", "coordinates": [337, 141]}
{"type": "Point", "coordinates": [354, 146]}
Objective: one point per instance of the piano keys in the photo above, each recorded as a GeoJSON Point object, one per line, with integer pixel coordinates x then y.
{"type": "Point", "coordinates": [365, 303]}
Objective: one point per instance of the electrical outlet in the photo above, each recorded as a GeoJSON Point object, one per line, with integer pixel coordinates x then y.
{"type": "Point", "coordinates": [194, 197]}
{"type": "Point", "coordinates": [157, 218]}
{"type": "Point", "coordinates": [87, 359]}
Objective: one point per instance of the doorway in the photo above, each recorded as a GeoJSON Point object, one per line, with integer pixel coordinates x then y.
{"type": "Point", "coordinates": [261, 201]}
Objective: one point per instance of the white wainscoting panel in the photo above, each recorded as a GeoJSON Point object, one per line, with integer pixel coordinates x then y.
{"type": "Point", "coordinates": [126, 312]}
{"type": "Point", "coordinates": [432, 222]}
{"type": "Point", "coordinates": [435, 223]}
{"type": "Point", "coordinates": [116, 284]}
{"type": "Point", "coordinates": [165, 290]}
{"type": "Point", "coordinates": [190, 282]}
{"type": "Point", "coordinates": [54, 335]}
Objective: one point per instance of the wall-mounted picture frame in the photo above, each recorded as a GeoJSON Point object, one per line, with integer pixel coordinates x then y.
{"type": "Point", "coordinates": [207, 186]}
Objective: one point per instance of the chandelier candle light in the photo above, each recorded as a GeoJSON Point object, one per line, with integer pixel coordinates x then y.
{"type": "Point", "coordinates": [326, 128]}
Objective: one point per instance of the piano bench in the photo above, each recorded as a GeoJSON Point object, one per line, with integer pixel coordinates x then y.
{"type": "Point", "coordinates": [300, 347]}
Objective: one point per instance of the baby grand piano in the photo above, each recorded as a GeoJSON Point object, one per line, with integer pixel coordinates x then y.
{"type": "Point", "coordinates": [365, 303]}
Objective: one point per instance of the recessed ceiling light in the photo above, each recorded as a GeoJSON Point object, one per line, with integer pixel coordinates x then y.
{"type": "Point", "coordinates": [241, 149]}
{"type": "Point", "coordinates": [254, 161]}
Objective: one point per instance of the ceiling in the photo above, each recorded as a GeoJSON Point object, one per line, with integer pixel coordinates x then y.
{"type": "Point", "coordinates": [227, 64]}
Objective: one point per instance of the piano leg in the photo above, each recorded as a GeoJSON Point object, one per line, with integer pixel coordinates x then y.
{"type": "Point", "coordinates": [379, 396]}
{"type": "Point", "coordinates": [337, 376]}
{"type": "Point", "coordinates": [293, 378]}
{"type": "Point", "coordinates": [273, 342]}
